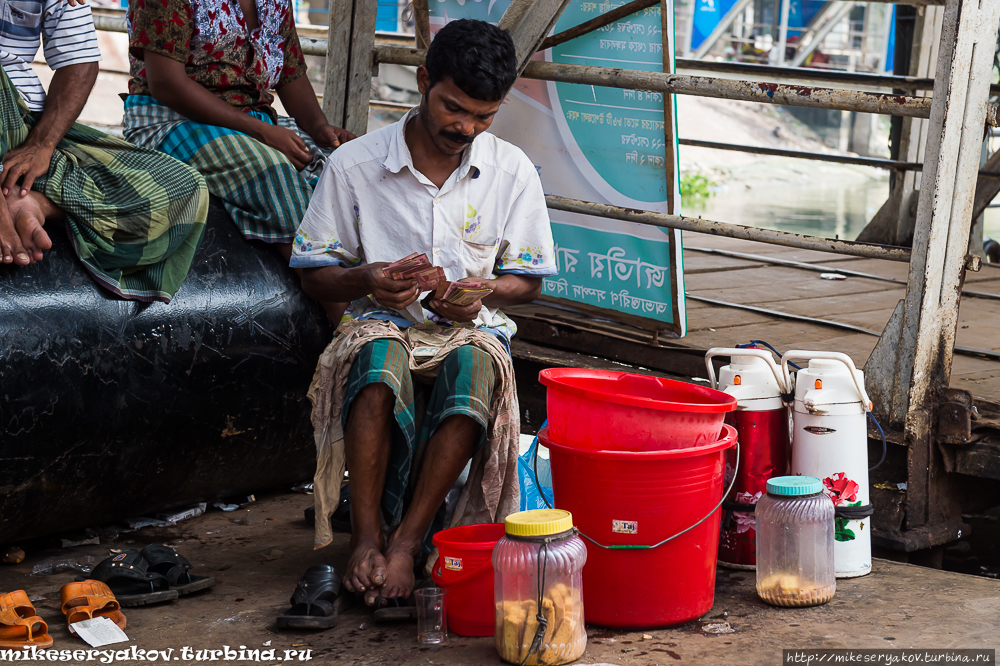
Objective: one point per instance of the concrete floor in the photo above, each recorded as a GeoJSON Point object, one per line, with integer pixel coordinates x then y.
{"type": "Point", "coordinates": [898, 606]}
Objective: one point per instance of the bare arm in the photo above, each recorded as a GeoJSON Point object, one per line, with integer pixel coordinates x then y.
{"type": "Point", "coordinates": [335, 283]}
{"type": "Point", "coordinates": [170, 85]}
{"type": "Point", "coordinates": [513, 290]}
{"type": "Point", "coordinates": [300, 101]}
{"type": "Point", "coordinates": [68, 93]}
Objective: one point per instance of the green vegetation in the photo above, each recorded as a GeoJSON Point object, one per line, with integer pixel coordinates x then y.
{"type": "Point", "coordinates": [696, 186]}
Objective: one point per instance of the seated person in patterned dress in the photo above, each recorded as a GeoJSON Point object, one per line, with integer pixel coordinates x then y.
{"type": "Point", "coordinates": [135, 217]}
{"type": "Point", "coordinates": [435, 182]}
{"type": "Point", "coordinates": [202, 72]}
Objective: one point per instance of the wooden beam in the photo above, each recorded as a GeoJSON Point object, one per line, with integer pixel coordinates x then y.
{"type": "Point", "coordinates": [360, 67]}
{"type": "Point", "coordinates": [987, 189]}
{"type": "Point", "coordinates": [914, 355]}
{"type": "Point", "coordinates": [669, 121]}
{"type": "Point", "coordinates": [528, 22]}
{"type": "Point", "coordinates": [338, 53]}
{"type": "Point", "coordinates": [422, 23]}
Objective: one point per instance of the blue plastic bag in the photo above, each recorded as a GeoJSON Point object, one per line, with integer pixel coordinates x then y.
{"type": "Point", "coordinates": [532, 492]}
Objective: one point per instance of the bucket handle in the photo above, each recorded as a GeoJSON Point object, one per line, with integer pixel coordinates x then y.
{"type": "Point", "coordinates": [831, 356]}
{"type": "Point", "coordinates": [758, 353]}
{"type": "Point", "coordinates": [684, 531]}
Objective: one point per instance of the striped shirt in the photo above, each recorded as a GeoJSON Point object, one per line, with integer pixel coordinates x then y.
{"type": "Point", "coordinates": [67, 32]}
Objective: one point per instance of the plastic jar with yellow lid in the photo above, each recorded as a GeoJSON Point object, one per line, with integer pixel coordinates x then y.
{"type": "Point", "coordinates": [538, 589]}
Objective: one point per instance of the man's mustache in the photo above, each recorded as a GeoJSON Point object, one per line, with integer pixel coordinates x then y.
{"type": "Point", "coordinates": [456, 137]}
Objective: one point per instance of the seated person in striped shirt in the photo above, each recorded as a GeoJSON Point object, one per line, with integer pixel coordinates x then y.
{"type": "Point", "coordinates": [135, 216]}
{"type": "Point", "coordinates": [202, 72]}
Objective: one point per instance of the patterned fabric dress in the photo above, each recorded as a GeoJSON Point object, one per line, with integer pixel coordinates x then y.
{"type": "Point", "coordinates": [260, 188]}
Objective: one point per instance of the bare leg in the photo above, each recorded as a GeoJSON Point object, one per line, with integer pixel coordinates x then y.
{"type": "Point", "coordinates": [448, 450]}
{"type": "Point", "coordinates": [333, 310]}
{"type": "Point", "coordinates": [368, 440]}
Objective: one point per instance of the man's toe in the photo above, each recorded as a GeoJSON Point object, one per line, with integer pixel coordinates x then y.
{"type": "Point", "coordinates": [41, 238]}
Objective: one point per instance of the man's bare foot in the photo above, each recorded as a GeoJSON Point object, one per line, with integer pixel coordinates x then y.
{"type": "Point", "coordinates": [399, 580]}
{"type": "Point", "coordinates": [366, 568]}
{"type": "Point", "coordinates": [29, 214]}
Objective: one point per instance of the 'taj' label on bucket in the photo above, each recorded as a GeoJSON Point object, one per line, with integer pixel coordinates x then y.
{"type": "Point", "coordinates": [625, 526]}
{"type": "Point", "coordinates": [453, 563]}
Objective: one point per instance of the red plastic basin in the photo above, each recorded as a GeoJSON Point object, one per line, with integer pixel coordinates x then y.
{"type": "Point", "coordinates": [619, 411]}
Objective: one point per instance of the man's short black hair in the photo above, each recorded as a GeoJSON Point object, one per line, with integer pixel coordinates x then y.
{"type": "Point", "coordinates": [478, 56]}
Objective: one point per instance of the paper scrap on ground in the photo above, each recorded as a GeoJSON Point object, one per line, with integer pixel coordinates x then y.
{"type": "Point", "coordinates": [99, 631]}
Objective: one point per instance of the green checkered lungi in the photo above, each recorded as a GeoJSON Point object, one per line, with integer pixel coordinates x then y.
{"type": "Point", "coordinates": [464, 386]}
{"type": "Point", "coordinates": [260, 188]}
{"type": "Point", "coordinates": [135, 216]}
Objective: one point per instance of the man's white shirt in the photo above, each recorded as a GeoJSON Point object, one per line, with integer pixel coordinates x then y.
{"type": "Point", "coordinates": [372, 205]}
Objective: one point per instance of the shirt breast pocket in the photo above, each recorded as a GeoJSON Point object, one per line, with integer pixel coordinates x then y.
{"type": "Point", "coordinates": [480, 239]}
{"type": "Point", "coordinates": [20, 14]}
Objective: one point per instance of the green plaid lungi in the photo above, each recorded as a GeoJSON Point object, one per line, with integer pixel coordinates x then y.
{"type": "Point", "coordinates": [135, 217]}
{"type": "Point", "coordinates": [260, 188]}
{"type": "Point", "coordinates": [464, 386]}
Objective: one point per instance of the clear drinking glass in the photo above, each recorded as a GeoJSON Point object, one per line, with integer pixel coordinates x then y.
{"type": "Point", "coordinates": [432, 618]}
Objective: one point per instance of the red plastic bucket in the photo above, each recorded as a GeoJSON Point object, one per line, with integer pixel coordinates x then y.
{"type": "Point", "coordinates": [606, 410]}
{"type": "Point", "coordinates": [641, 498]}
{"type": "Point", "coordinates": [465, 569]}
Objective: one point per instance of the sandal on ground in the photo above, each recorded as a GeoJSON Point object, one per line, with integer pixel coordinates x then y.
{"type": "Point", "coordinates": [129, 578]}
{"type": "Point", "coordinates": [167, 562]}
{"type": "Point", "coordinates": [89, 599]}
{"type": "Point", "coordinates": [20, 626]}
{"type": "Point", "coordinates": [393, 609]}
{"type": "Point", "coordinates": [316, 602]}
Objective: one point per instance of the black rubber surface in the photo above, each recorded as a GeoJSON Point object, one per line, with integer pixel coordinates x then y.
{"type": "Point", "coordinates": [111, 409]}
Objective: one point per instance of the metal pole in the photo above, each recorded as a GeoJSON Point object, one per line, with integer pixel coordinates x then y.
{"type": "Point", "coordinates": [599, 22]}
{"type": "Point", "coordinates": [783, 30]}
{"type": "Point", "coordinates": [680, 84]}
{"type": "Point", "coordinates": [730, 230]}
{"type": "Point", "coordinates": [875, 162]}
{"type": "Point", "coordinates": [748, 91]}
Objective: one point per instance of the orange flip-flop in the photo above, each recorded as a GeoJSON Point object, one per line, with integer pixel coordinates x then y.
{"type": "Point", "coordinates": [89, 599]}
{"type": "Point", "coordinates": [20, 627]}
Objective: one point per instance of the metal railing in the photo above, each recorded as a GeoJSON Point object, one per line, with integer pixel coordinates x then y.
{"type": "Point", "coordinates": [390, 50]}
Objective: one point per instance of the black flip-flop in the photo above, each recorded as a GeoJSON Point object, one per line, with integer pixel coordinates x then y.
{"type": "Point", "coordinates": [173, 566]}
{"type": "Point", "coordinates": [130, 580]}
{"type": "Point", "coordinates": [394, 609]}
{"type": "Point", "coordinates": [316, 602]}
